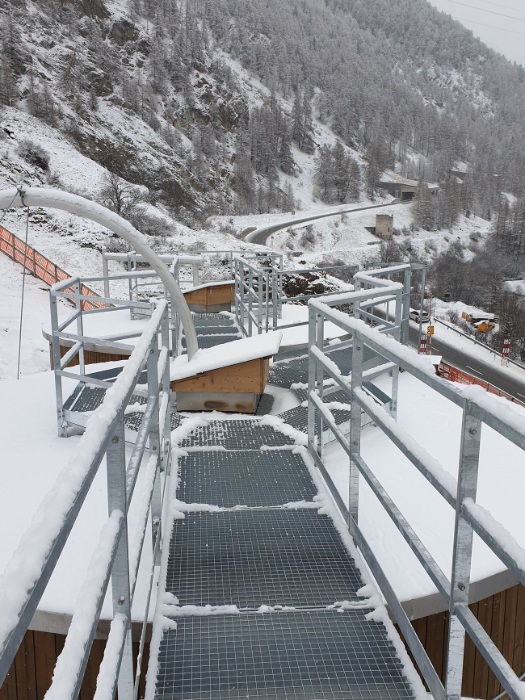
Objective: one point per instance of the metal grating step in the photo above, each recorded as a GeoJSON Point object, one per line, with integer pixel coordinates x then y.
{"type": "Point", "coordinates": [253, 479]}
{"type": "Point", "coordinates": [217, 319]}
{"type": "Point", "coordinates": [298, 417]}
{"type": "Point", "coordinates": [210, 341]}
{"type": "Point", "coordinates": [294, 656]}
{"type": "Point", "coordinates": [86, 399]}
{"type": "Point", "coordinates": [215, 330]}
{"type": "Point", "coordinates": [253, 558]}
{"type": "Point", "coordinates": [295, 371]}
{"type": "Point", "coordinates": [236, 435]}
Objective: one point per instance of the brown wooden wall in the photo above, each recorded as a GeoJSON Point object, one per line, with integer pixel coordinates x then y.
{"type": "Point", "coordinates": [503, 617]}
{"type": "Point", "coordinates": [90, 357]}
{"type": "Point", "coordinates": [32, 670]}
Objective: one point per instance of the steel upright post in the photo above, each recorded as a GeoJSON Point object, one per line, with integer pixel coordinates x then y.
{"type": "Point", "coordinates": [120, 584]}
{"type": "Point", "coordinates": [105, 272]}
{"type": "Point", "coordinates": [80, 328]}
{"type": "Point", "coordinates": [355, 429]}
{"type": "Point", "coordinates": [405, 307]}
{"type": "Point", "coordinates": [55, 345]}
{"type": "Point", "coordinates": [155, 442]}
{"type": "Point", "coordinates": [462, 552]}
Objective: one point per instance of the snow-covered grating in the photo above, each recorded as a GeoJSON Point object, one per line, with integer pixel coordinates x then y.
{"type": "Point", "coordinates": [214, 329]}
{"type": "Point", "coordinates": [295, 371]}
{"type": "Point", "coordinates": [234, 435]}
{"type": "Point", "coordinates": [260, 594]}
{"type": "Point", "coordinates": [251, 558]}
{"type": "Point", "coordinates": [203, 320]}
{"type": "Point", "coordinates": [210, 329]}
{"type": "Point", "coordinates": [244, 478]}
{"type": "Point", "coordinates": [298, 417]}
{"type": "Point", "coordinates": [86, 399]}
{"type": "Point", "coordinates": [210, 341]}
{"type": "Point", "coordinates": [294, 655]}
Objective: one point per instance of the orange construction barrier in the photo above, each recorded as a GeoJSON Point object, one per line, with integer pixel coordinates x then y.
{"type": "Point", "coordinates": [39, 266]}
{"type": "Point", "coordinates": [453, 374]}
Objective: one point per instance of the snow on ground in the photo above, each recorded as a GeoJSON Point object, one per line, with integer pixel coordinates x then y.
{"type": "Point", "coordinates": [32, 458]}
{"type": "Point", "coordinates": [515, 287]}
{"type": "Point", "coordinates": [34, 348]}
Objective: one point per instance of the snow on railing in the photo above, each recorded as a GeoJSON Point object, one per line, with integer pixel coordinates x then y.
{"type": "Point", "coordinates": [478, 409]}
{"type": "Point", "coordinates": [25, 577]}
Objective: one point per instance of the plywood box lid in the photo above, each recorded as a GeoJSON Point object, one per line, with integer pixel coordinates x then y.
{"type": "Point", "coordinates": [226, 355]}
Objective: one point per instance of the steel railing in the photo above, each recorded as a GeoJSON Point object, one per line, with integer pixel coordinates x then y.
{"type": "Point", "coordinates": [70, 333]}
{"type": "Point", "coordinates": [117, 555]}
{"type": "Point", "coordinates": [478, 411]}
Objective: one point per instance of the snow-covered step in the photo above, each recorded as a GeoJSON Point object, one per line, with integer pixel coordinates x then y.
{"type": "Point", "coordinates": [260, 595]}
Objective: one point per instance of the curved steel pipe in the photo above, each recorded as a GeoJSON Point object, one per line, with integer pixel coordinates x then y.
{"type": "Point", "coordinates": [74, 204]}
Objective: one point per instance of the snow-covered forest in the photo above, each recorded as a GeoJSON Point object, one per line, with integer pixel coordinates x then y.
{"type": "Point", "coordinates": [188, 109]}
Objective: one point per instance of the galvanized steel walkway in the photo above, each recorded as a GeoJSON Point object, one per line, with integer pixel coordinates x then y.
{"type": "Point", "coordinates": [259, 576]}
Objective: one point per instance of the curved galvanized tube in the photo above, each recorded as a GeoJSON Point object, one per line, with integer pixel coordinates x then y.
{"type": "Point", "coordinates": [74, 204]}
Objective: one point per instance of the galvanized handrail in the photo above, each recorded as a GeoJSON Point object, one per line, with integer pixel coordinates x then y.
{"type": "Point", "coordinates": [478, 409]}
{"type": "Point", "coordinates": [71, 332]}
{"type": "Point", "coordinates": [253, 296]}
{"type": "Point", "coordinates": [22, 586]}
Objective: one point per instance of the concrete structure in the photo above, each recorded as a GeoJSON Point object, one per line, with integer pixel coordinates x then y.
{"type": "Point", "coordinates": [384, 226]}
{"type": "Point", "coordinates": [401, 187]}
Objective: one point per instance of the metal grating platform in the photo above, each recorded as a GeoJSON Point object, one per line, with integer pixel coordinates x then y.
{"type": "Point", "coordinates": [218, 319]}
{"type": "Point", "coordinates": [209, 329]}
{"type": "Point", "coordinates": [86, 399]}
{"type": "Point", "coordinates": [294, 656]}
{"type": "Point", "coordinates": [298, 417]}
{"type": "Point", "coordinates": [236, 435]}
{"type": "Point", "coordinates": [210, 341]}
{"type": "Point", "coordinates": [295, 371]}
{"type": "Point", "coordinates": [254, 479]}
{"type": "Point", "coordinates": [253, 558]}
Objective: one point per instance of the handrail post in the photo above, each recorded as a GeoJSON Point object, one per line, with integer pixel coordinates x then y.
{"type": "Point", "coordinates": [319, 381]}
{"type": "Point", "coordinates": [398, 335]}
{"type": "Point", "coordinates": [166, 390]}
{"type": "Point", "coordinates": [462, 552]}
{"type": "Point", "coordinates": [312, 340]}
{"type": "Point", "coordinates": [355, 430]}
{"type": "Point", "coordinates": [155, 441]}
{"type": "Point", "coordinates": [260, 303]}
{"type": "Point", "coordinates": [105, 272]}
{"type": "Point", "coordinates": [405, 307]}
{"type": "Point", "coordinates": [55, 350]}
{"type": "Point", "coordinates": [120, 583]}
{"type": "Point", "coordinates": [80, 327]}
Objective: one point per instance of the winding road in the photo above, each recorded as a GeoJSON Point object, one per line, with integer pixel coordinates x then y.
{"type": "Point", "coordinates": [260, 235]}
{"type": "Point", "coordinates": [505, 381]}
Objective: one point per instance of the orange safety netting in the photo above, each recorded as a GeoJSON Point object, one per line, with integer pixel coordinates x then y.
{"type": "Point", "coordinates": [40, 266]}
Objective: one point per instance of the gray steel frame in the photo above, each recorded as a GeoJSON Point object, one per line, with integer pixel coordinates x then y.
{"type": "Point", "coordinates": [254, 294]}
{"type": "Point", "coordinates": [259, 291]}
{"type": "Point", "coordinates": [153, 448]}
{"type": "Point", "coordinates": [70, 290]}
{"type": "Point", "coordinates": [461, 495]}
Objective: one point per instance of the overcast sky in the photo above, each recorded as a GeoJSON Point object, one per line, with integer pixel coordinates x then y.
{"type": "Point", "coordinates": [500, 25]}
